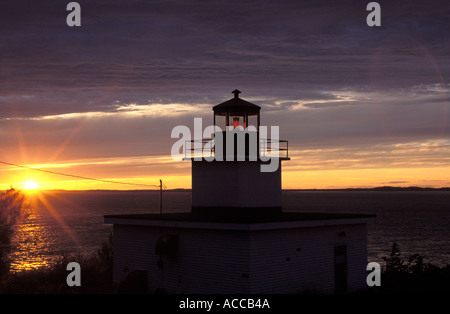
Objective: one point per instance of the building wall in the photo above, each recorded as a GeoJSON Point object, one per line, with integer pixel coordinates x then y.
{"type": "Point", "coordinates": [304, 259]}
{"type": "Point", "coordinates": [243, 183]}
{"type": "Point", "coordinates": [232, 261]}
{"type": "Point", "coordinates": [207, 261]}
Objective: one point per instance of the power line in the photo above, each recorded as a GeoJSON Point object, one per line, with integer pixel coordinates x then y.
{"type": "Point", "coordinates": [76, 176]}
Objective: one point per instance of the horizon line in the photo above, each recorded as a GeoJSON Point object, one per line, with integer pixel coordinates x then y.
{"type": "Point", "coordinates": [377, 188]}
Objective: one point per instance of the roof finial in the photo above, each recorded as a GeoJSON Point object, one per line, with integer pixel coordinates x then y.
{"type": "Point", "coordinates": [236, 93]}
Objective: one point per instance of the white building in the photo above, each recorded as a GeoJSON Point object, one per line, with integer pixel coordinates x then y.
{"type": "Point", "coordinates": [237, 239]}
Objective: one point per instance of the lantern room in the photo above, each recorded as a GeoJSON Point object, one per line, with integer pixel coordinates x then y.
{"type": "Point", "coordinates": [236, 112]}
{"type": "Point", "coordinates": [237, 116]}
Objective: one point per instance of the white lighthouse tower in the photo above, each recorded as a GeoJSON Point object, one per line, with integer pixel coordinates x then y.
{"type": "Point", "coordinates": [237, 238]}
{"type": "Point", "coordinates": [244, 177]}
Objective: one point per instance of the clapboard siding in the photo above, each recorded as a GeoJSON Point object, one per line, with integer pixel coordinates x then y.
{"type": "Point", "coordinates": [304, 259]}
{"type": "Point", "coordinates": [207, 260]}
{"type": "Point", "coordinates": [290, 260]}
{"type": "Point", "coordinates": [213, 261]}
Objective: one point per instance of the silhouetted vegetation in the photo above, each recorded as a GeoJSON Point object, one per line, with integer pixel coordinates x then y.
{"type": "Point", "coordinates": [96, 276]}
{"type": "Point", "coordinates": [13, 207]}
{"type": "Point", "coordinates": [96, 270]}
{"type": "Point", "coordinates": [412, 275]}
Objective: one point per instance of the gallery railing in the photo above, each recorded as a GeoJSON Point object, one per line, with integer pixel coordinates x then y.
{"type": "Point", "coordinates": [206, 148]}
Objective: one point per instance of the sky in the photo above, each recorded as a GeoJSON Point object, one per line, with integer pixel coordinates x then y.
{"type": "Point", "coordinates": [360, 106]}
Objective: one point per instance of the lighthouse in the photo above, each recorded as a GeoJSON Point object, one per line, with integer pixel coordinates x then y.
{"type": "Point", "coordinates": [236, 237]}
{"type": "Point", "coordinates": [244, 177]}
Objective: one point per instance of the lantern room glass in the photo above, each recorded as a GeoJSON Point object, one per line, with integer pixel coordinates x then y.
{"type": "Point", "coordinates": [234, 120]}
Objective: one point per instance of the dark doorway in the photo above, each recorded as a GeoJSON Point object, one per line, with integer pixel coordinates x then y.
{"type": "Point", "coordinates": [340, 269]}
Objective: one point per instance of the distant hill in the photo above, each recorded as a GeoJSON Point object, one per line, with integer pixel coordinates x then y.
{"type": "Point", "coordinates": [381, 188]}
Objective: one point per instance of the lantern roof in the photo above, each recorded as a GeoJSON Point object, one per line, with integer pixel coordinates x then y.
{"type": "Point", "coordinates": [236, 106]}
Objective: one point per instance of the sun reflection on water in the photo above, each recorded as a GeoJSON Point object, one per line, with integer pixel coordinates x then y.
{"type": "Point", "coordinates": [35, 243]}
{"type": "Point", "coordinates": [32, 240]}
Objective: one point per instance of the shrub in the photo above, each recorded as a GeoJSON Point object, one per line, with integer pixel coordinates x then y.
{"type": "Point", "coordinates": [13, 207]}
{"type": "Point", "coordinates": [96, 276]}
{"type": "Point", "coordinates": [412, 275]}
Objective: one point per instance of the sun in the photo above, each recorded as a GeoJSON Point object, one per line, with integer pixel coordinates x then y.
{"type": "Point", "coordinates": [30, 185]}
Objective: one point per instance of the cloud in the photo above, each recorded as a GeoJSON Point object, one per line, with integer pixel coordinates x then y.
{"type": "Point", "coordinates": [423, 154]}
{"type": "Point", "coordinates": [327, 104]}
{"type": "Point", "coordinates": [116, 86]}
{"type": "Point", "coordinates": [133, 50]}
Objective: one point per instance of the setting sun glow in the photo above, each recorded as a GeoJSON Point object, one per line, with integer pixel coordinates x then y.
{"type": "Point", "coordinates": [30, 185]}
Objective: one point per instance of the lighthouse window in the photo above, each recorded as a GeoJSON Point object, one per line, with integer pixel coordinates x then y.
{"type": "Point", "coordinates": [252, 121]}
{"type": "Point", "coordinates": [221, 122]}
{"type": "Point", "coordinates": [235, 121]}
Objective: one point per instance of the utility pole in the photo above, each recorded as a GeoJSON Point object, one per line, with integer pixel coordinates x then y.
{"type": "Point", "coordinates": [160, 196]}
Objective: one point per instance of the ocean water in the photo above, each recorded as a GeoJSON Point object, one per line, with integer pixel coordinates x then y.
{"type": "Point", "coordinates": [71, 222]}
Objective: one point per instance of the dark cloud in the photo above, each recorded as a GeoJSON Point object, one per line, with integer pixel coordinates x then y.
{"type": "Point", "coordinates": [135, 50]}
{"type": "Point", "coordinates": [357, 85]}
